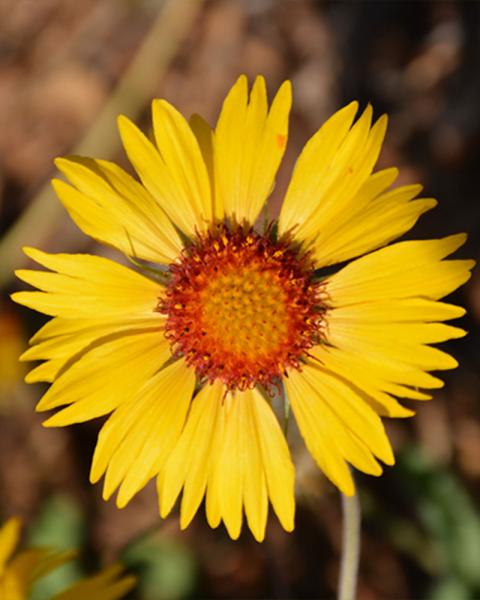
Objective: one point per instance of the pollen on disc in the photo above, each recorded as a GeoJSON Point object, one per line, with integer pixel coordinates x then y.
{"type": "Point", "coordinates": [241, 307]}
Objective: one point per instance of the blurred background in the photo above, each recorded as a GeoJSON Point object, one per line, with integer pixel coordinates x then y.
{"type": "Point", "coordinates": [66, 69]}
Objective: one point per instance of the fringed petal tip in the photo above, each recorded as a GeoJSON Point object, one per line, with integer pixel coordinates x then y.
{"type": "Point", "coordinates": [32, 252]}
{"type": "Point", "coordinates": [243, 464]}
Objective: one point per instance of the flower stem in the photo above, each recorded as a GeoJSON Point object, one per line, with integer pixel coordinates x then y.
{"type": "Point", "coordinates": [347, 583]}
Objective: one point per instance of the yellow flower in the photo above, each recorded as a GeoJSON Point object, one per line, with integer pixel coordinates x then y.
{"type": "Point", "coordinates": [187, 357]}
{"type": "Point", "coordinates": [18, 573]}
{"type": "Point", "coordinates": [109, 584]}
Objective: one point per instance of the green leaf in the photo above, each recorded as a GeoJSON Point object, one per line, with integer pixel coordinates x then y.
{"type": "Point", "coordinates": [448, 513]}
{"type": "Point", "coordinates": [167, 568]}
{"type": "Point", "coordinates": [60, 525]}
{"type": "Point", "coordinates": [449, 588]}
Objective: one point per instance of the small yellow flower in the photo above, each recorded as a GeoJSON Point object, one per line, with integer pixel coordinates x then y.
{"type": "Point", "coordinates": [109, 584]}
{"type": "Point", "coordinates": [18, 573]}
{"type": "Point", "coordinates": [186, 357]}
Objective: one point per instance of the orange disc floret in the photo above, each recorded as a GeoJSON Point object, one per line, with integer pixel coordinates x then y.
{"type": "Point", "coordinates": [242, 307]}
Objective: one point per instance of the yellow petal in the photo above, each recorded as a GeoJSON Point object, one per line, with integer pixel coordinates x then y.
{"type": "Point", "coordinates": [367, 378]}
{"type": "Point", "coordinates": [320, 441]}
{"type": "Point", "coordinates": [251, 433]}
{"type": "Point", "coordinates": [12, 587]}
{"type": "Point", "coordinates": [386, 340]}
{"type": "Point", "coordinates": [229, 466]}
{"type": "Point", "coordinates": [382, 221]}
{"type": "Point", "coordinates": [337, 425]}
{"type": "Point", "coordinates": [352, 411]}
{"type": "Point", "coordinates": [62, 341]}
{"type": "Point", "coordinates": [9, 537]}
{"type": "Point", "coordinates": [277, 464]}
{"type": "Point", "coordinates": [81, 333]}
{"type": "Point", "coordinates": [188, 464]}
{"type": "Point", "coordinates": [410, 333]}
{"type": "Point", "coordinates": [232, 448]}
{"type": "Point", "coordinates": [138, 437]}
{"type": "Point", "coordinates": [249, 144]}
{"type": "Point", "coordinates": [158, 178]}
{"type": "Point", "coordinates": [183, 159]}
{"type": "Point", "coordinates": [47, 371]}
{"type": "Point", "coordinates": [204, 134]}
{"type": "Point", "coordinates": [87, 286]}
{"type": "Point", "coordinates": [419, 356]}
{"type": "Point", "coordinates": [359, 157]}
{"type": "Point", "coordinates": [322, 195]}
{"type": "Point", "coordinates": [311, 167]}
{"type": "Point", "coordinates": [212, 502]}
{"type": "Point", "coordinates": [391, 335]}
{"type": "Point", "coordinates": [425, 357]}
{"type": "Point", "coordinates": [32, 564]}
{"type": "Point", "coordinates": [255, 493]}
{"type": "Point", "coordinates": [110, 206]}
{"type": "Point", "coordinates": [405, 269]}
{"type": "Point", "coordinates": [226, 147]}
{"type": "Point", "coordinates": [153, 440]}
{"type": "Point", "coordinates": [109, 584]}
{"type": "Point", "coordinates": [60, 328]}
{"type": "Point", "coordinates": [105, 364]}
{"type": "Point", "coordinates": [404, 310]}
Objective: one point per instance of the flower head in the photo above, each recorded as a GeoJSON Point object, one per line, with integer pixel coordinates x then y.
{"type": "Point", "coordinates": [19, 572]}
{"type": "Point", "coordinates": [185, 355]}
{"type": "Point", "coordinates": [241, 307]}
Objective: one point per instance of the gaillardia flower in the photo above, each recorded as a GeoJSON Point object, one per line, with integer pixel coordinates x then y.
{"type": "Point", "coordinates": [185, 353]}
{"type": "Point", "coordinates": [20, 571]}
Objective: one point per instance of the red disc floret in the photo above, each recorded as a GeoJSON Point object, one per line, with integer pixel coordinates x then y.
{"type": "Point", "coordinates": [241, 307]}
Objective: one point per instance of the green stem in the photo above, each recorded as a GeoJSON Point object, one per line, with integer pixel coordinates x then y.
{"type": "Point", "coordinates": [347, 584]}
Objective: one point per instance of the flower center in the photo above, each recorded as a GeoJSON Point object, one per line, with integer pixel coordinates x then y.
{"type": "Point", "coordinates": [241, 307]}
